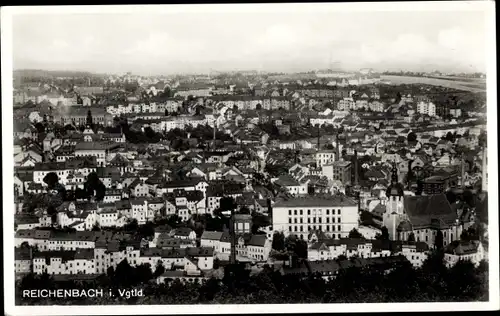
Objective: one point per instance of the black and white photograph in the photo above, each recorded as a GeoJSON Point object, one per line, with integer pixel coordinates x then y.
{"type": "Point", "coordinates": [239, 158]}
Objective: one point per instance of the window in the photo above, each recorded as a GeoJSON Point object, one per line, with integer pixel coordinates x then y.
{"type": "Point", "coordinates": [308, 212]}
{"type": "Point", "coordinates": [308, 220]}
{"type": "Point", "coordinates": [338, 228]}
{"type": "Point", "coordinates": [314, 220]}
{"type": "Point", "coordinates": [301, 220]}
{"type": "Point", "coordinates": [301, 212]}
{"type": "Point", "coordinates": [294, 212]}
{"type": "Point", "coordinates": [290, 212]}
{"type": "Point", "coordinates": [289, 220]}
{"type": "Point", "coordinates": [327, 220]}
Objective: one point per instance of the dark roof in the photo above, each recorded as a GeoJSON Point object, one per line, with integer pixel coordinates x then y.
{"type": "Point", "coordinates": [424, 211]}
{"type": "Point", "coordinates": [257, 240]}
{"type": "Point", "coordinates": [339, 200]}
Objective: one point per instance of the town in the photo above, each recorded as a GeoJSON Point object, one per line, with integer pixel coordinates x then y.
{"type": "Point", "coordinates": [201, 180]}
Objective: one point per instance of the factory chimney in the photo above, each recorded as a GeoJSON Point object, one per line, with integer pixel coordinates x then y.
{"type": "Point", "coordinates": [356, 168]}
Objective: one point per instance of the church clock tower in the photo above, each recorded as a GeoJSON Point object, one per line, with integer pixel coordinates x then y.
{"type": "Point", "coordinates": [394, 206]}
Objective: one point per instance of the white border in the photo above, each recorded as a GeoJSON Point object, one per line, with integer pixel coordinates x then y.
{"type": "Point", "coordinates": [8, 162]}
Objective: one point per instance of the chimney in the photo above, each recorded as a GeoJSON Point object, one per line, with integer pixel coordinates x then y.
{"type": "Point", "coordinates": [462, 167]}
{"type": "Point", "coordinates": [337, 153]}
{"type": "Point", "coordinates": [318, 138]}
{"type": "Point", "coordinates": [409, 174]}
{"type": "Point", "coordinates": [356, 167]}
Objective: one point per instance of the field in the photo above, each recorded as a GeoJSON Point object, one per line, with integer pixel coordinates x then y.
{"type": "Point", "coordinates": [474, 85]}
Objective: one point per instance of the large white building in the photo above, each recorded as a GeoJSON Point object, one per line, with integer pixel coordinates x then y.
{"type": "Point", "coordinates": [336, 216]}
{"type": "Point", "coordinates": [427, 108]}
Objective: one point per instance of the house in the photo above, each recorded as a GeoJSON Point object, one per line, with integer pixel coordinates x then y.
{"type": "Point", "coordinates": [258, 248]}
{"type": "Point", "coordinates": [184, 233]}
{"type": "Point", "coordinates": [64, 262]}
{"type": "Point", "coordinates": [460, 250]}
{"type": "Point", "coordinates": [22, 260]}
{"type": "Point", "coordinates": [219, 241]}
{"type": "Point", "coordinates": [291, 185]}
{"type": "Point", "coordinates": [415, 252]}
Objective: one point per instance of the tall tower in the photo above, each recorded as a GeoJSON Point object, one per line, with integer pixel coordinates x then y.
{"type": "Point", "coordinates": [462, 171]}
{"type": "Point", "coordinates": [356, 180]}
{"type": "Point", "coordinates": [337, 147]}
{"type": "Point", "coordinates": [394, 207]}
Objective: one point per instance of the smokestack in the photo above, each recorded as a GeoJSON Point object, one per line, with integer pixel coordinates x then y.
{"type": "Point", "coordinates": [318, 138]}
{"type": "Point", "coordinates": [215, 125]}
{"type": "Point", "coordinates": [337, 151]}
{"type": "Point", "coordinates": [356, 167]}
{"type": "Point", "coordinates": [462, 167]}
{"type": "Point", "coordinates": [233, 238]}
{"type": "Point", "coordinates": [410, 174]}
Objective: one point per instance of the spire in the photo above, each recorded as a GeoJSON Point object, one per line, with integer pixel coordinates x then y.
{"type": "Point", "coordinates": [394, 173]}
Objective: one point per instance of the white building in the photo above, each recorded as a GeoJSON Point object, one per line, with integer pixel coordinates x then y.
{"type": "Point", "coordinates": [219, 241]}
{"type": "Point", "coordinates": [80, 261]}
{"type": "Point", "coordinates": [473, 251]}
{"type": "Point", "coordinates": [336, 216]}
{"type": "Point", "coordinates": [427, 108]}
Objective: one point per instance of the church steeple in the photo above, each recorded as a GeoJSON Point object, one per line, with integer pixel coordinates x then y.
{"type": "Point", "coordinates": [394, 176]}
{"type": "Point", "coordinates": [396, 188]}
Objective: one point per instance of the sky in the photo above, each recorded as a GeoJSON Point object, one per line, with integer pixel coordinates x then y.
{"type": "Point", "coordinates": [266, 40]}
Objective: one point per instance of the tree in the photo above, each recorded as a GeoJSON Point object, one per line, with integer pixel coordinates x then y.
{"type": "Point", "coordinates": [449, 136]}
{"type": "Point", "coordinates": [40, 127]}
{"type": "Point", "coordinates": [411, 237]}
{"type": "Point", "coordinates": [301, 249]}
{"type": "Point", "coordinates": [438, 242]}
{"type": "Point", "coordinates": [227, 203]}
{"type": "Point", "coordinates": [278, 241]}
{"type": "Point", "coordinates": [89, 118]}
{"type": "Point", "coordinates": [355, 234]}
{"type": "Point", "coordinates": [258, 221]}
{"type": "Point", "coordinates": [51, 179]}
{"type": "Point", "coordinates": [412, 137]}
{"type": "Point", "coordinates": [385, 233]}
{"type": "Point", "coordinates": [160, 269]}
{"type": "Point", "coordinates": [452, 197]}
{"type": "Point", "coordinates": [147, 230]}
{"type": "Point", "coordinates": [131, 226]}
{"type": "Point", "coordinates": [94, 187]}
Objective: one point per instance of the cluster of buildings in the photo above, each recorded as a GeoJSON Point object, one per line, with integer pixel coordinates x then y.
{"type": "Point", "coordinates": [344, 153]}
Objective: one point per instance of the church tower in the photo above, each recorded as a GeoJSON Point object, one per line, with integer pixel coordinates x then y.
{"type": "Point", "coordinates": [394, 206]}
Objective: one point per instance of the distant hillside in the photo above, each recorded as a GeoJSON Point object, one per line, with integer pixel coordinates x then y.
{"type": "Point", "coordinates": [23, 73]}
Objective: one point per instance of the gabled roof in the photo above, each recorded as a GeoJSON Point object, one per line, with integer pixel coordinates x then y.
{"type": "Point", "coordinates": [430, 210]}
{"type": "Point", "coordinates": [257, 241]}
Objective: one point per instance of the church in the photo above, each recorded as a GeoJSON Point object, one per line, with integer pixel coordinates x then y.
{"type": "Point", "coordinates": [422, 215]}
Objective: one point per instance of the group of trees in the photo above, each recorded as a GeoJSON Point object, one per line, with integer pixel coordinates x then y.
{"type": "Point", "coordinates": [289, 247]}
{"type": "Point", "coordinates": [433, 282]}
